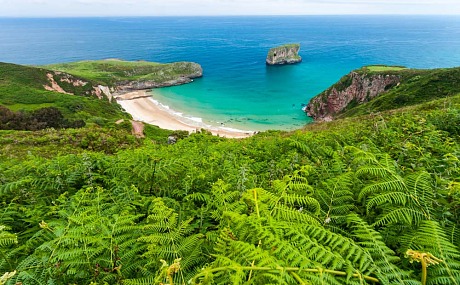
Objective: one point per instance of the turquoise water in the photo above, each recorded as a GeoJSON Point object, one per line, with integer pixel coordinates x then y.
{"type": "Point", "coordinates": [238, 89]}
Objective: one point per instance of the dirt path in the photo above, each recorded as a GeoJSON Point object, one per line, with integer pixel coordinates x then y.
{"type": "Point", "coordinates": [138, 129]}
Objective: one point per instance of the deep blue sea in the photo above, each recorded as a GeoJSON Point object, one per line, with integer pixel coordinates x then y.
{"type": "Point", "coordinates": [238, 89]}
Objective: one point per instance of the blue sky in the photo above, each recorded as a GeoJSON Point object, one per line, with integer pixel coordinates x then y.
{"type": "Point", "coordinates": [64, 8]}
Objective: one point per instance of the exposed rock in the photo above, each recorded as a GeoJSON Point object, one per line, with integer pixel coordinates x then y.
{"type": "Point", "coordinates": [285, 54]}
{"type": "Point", "coordinates": [98, 91]}
{"type": "Point", "coordinates": [138, 129]}
{"type": "Point", "coordinates": [103, 90]}
{"type": "Point", "coordinates": [175, 74]}
{"type": "Point", "coordinates": [70, 79]}
{"type": "Point", "coordinates": [54, 86]}
{"type": "Point", "coordinates": [354, 88]}
{"type": "Point", "coordinates": [172, 139]}
{"type": "Point", "coordinates": [129, 86]}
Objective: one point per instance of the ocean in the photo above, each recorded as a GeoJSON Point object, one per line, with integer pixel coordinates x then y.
{"type": "Point", "coordinates": [238, 90]}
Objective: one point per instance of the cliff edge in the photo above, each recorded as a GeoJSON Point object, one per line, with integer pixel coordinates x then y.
{"type": "Point", "coordinates": [285, 54]}
{"type": "Point", "coordinates": [355, 88]}
{"type": "Point", "coordinates": [381, 88]}
{"type": "Point", "coordinates": [125, 76]}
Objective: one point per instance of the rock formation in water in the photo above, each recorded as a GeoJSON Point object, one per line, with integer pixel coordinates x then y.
{"type": "Point", "coordinates": [355, 88]}
{"type": "Point", "coordinates": [285, 54]}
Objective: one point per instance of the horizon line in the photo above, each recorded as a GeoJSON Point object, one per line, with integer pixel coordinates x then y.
{"type": "Point", "coordinates": [196, 16]}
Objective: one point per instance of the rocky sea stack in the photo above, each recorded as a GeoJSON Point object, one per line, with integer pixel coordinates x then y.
{"type": "Point", "coordinates": [285, 54]}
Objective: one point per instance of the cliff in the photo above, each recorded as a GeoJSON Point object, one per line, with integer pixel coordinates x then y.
{"type": "Point", "coordinates": [126, 76]}
{"type": "Point", "coordinates": [285, 54]}
{"type": "Point", "coordinates": [380, 88]}
{"type": "Point", "coordinates": [72, 87]}
{"type": "Point", "coordinates": [355, 88]}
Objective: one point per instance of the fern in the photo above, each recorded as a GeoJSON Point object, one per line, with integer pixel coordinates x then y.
{"type": "Point", "coordinates": [430, 237]}
{"type": "Point", "coordinates": [266, 247]}
{"type": "Point", "coordinates": [336, 198]}
{"type": "Point", "coordinates": [96, 242]}
{"type": "Point", "coordinates": [169, 238]}
{"type": "Point", "coordinates": [385, 259]}
{"type": "Point", "coordinates": [402, 200]}
{"type": "Point", "coordinates": [7, 252]}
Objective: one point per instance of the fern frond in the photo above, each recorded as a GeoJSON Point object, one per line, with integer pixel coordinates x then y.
{"type": "Point", "coordinates": [430, 237]}
{"type": "Point", "coordinates": [384, 184]}
{"type": "Point", "coordinates": [7, 238]}
{"type": "Point", "coordinates": [407, 216]}
{"type": "Point", "coordinates": [383, 257]}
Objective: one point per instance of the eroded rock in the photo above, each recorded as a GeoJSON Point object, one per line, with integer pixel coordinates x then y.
{"type": "Point", "coordinates": [285, 54]}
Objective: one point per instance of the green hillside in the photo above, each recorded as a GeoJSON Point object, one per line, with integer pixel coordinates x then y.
{"type": "Point", "coordinates": [22, 88]}
{"type": "Point", "coordinates": [371, 199]}
{"type": "Point", "coordinates": [417, 86]}
{"type": "Point", "coordinates": [113, 71]}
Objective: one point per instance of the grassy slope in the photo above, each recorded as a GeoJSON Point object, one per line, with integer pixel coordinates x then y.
{"type": "Point", "coordinates": [109, 72]}
{"type": "Point", "coordinates": [21, 88]}
{"type": "Point", "coordinates": [417, 86]}
{"type": "Point", "coordinates": [416, 138]}
{"type": "Point", "coordinates": [199, 165]}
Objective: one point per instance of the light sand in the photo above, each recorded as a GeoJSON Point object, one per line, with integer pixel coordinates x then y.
{"type": "Point", "coordinates": [143, 108]}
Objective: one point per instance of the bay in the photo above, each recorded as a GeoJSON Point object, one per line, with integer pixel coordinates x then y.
{"type": "Point", "coordinates": [238, 90]}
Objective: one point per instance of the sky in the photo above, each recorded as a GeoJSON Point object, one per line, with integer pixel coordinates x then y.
{"type": "Point", "coordinates": [73, 8]}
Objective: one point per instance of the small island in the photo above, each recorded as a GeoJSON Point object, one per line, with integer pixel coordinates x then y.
{"type": "Point", "coordinates": [285, 54]}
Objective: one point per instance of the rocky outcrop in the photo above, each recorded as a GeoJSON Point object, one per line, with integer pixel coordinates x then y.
{"type": "Point", "coordinates": [194, 71]}
{"type": "Point", "coordinates": [165, 75]}
{"type": "Point", "coordinates": [354, 88]}
{"type": "Point", "coordinates": [65, 83]}
{"type": "Point", "coordinates": [285, 54]}
{"type": "Point", "coordinates": [101, 91]}
{"type": "Point", "coordinates": [53, 85]}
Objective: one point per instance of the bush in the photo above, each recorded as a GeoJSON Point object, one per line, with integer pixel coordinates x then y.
{"type": "Point", "coordinates": [49, 117]}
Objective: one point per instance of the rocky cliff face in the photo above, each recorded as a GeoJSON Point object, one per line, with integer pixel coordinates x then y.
{"type": "Point", "coordinates": [68, 84]}
{"type": "Point", "coordinates": [354, 88]}
{"type": "Point", "coordinates": [173, 74]}
{"type": "Point", "coordinates": [286, 54]}
{"type": "Point", "coordinates": [195, 71]}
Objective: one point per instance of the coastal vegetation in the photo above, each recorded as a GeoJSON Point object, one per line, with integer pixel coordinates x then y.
{"type": "Point", "coordinates": [365, 199]}
{"type": "Point", "coordinates": [112, 72]}
{"type": "Point", "coordinates": [23, 88]}
{"type": "Point", "coordinates": [372, 89]}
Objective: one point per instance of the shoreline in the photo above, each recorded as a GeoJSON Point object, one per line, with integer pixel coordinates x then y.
{"type": "Point", "coordinates": [142, 107]}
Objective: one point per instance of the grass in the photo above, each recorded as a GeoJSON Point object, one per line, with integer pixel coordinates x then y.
{"type": "Point", "coordinates": [416, 87]}
{"type": "Point", "coordinates": [109, 139]}
{"type": "Point", "coordinates": [22, 89]}
{"type": "Point", "coordinates": [110, 72]}
{"type": "Point", "coordinates": [383, 68]}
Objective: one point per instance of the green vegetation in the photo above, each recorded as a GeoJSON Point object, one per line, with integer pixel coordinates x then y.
{"type": "Point", "coordinates": [273, 52]}
{"type": "Point", "coordinates": [373, 199]}
{"type": "Point", "coordinates": [286, 46]}
{"type": "Point", "coordinates": [112, 71]}
{"type": "Point", "coordinates": [22, 89]}
{"type": "Point", "coordinates": [417, 86]}
{"type": "Point", "coordinates": [383, 68]}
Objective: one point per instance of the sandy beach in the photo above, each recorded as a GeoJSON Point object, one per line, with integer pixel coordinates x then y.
{"type": "Point", "coordinates": [143, 108]}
